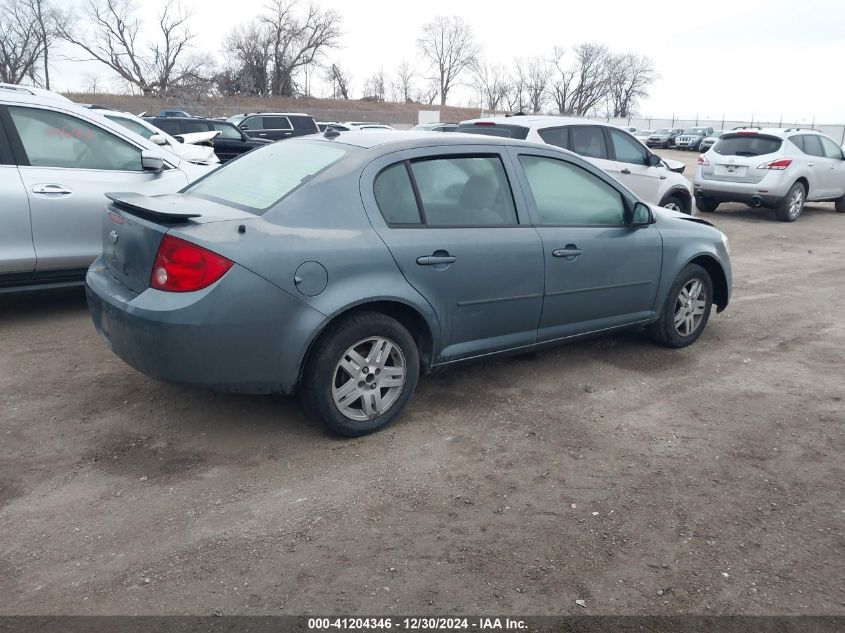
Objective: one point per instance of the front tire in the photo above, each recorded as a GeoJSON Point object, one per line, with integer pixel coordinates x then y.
{"type": "Point", "coordinates": [675, 203]}
{"type": "Point", "coordinates": [361, 374]}
{"type": "Point", "coordinates": [840, 205]}
{"type": "Point", "coordinates": [789, 208]}
{"type": "Point", "coordinates": [687, 309]}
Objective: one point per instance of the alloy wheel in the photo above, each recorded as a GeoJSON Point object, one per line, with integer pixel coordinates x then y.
{"type": "Point", "coordinates": [796, 201]}
{"type": "Point", "coordinates": [369, 378]}
{"type": "Point", "coordinates": [689, 307]}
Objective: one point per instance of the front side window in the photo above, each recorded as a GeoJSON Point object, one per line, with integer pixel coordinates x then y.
{"type": "Point", "coordinates": [587, 140]}
{"type": "Point", "coordinates": [227, 131]}
{"type": "Point", "coordinates": [131, 125]}
{"type": "Point", "coordinates": [565, 194]}
{"type": "Point", "coordinates": [464, 191]}
{"type": "Point", "coordinates": [628, 149]}
{"type": "Point", "coordinates": [55, 139]}
{"type": "Point", "coordinates": [261, 178]}
{"type": "Point", "coordinates": [252, 123]}
{"type": "Point", "coordinates": [831, 149]}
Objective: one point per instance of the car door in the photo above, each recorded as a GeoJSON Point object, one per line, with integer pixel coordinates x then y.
{"type": "Point", "coordinates": [17, 254]}
{"type": "Point", "coordinates": [67, 164]}
{"type": "Point", "coordinates": [631, 166]}
{"type": "Point", "coordinates": [819, 166]}
{"type": "Point", "coordinates": [451, 222]}
{"type": "Point", "coordinates": [834, 172]}
{"type": "Point", "coordinates": [600, 272]}
{"type": "Point", "coordinates": [229, 143]}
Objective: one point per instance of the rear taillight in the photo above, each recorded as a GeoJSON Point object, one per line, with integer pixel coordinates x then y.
{"type": "Point", "coordinates": [184, 267]}
{"type": "Point", "coordinates": [781, 163]}
{"type": "Point", "coordinates": [702, 160]}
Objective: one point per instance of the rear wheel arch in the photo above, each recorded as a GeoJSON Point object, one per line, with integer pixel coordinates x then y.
{"type": "Point", "coordinates": [410, 318]}
{"type": "Point", "coordinates": [717, 277]}
{"type": "Point", "coordinates": [806, 183]}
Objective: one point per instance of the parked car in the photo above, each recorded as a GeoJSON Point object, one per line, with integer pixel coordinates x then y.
{"type": "Point", "coordinates": [776, 168]}
{"type": "Point", "coordinates": [200, 152]}
{"type": "Point", "coordinates": [664, 137]}
{"type": "Point", "coordinates": [325, 125]}
{"type": "Point", "coordinates": [318, 282]}
{"type": "Point", "coordinates": [178, 113]}
{"type": "Point", "coordinates": [610, 148]}
{"type": "Point", "coordinates": [709, 141]}
{"type": "Point", "coordinates": [228, 144]}
{"type": "Point", "coordinates": [367, 125]}
{"type": "Point", "coordinates": [59, 161]}
{"type": "Point", "coordinates": [435, 127]}
{"type": "Point", "coordinates": [275, 126]}
{"type": "Point", "coordinates": [691, 137]}
{"type": "Point", "coordinates": [642, 135]}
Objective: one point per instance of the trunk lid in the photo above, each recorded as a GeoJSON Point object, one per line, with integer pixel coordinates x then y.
{"type": "Point", "coordinates": [735, 157]}
{"type": "Point", "coordinates": [134, 226]}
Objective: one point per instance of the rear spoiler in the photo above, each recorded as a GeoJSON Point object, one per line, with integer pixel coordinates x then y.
{"type": "Point", "coordinates": [156, 208]}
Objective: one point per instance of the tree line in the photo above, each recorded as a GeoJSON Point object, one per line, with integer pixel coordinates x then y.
{"type": "Point", "coordinates": [284, 49]}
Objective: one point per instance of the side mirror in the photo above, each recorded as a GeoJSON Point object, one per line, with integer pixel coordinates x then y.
{"type": "Point", "coordinates": [158, 139]}
{"type": "Point", "coordinates": [653, 160]}
{"type": "Point", "coordinates": [179, 138]}
{"type": "Point", "coordinates": [151, 161]}
{"type": "Point", "coordinates": [243, 126]}
{"type": "Point", "coordinates": [640, 215]}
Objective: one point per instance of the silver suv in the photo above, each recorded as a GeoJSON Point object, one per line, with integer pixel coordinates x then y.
{"type": "Point", "coordinates": [771, 167]}
{"type": "Point", "coordinates": [57, 160]}
{"type": "Point", "coordinates": [613, 150]}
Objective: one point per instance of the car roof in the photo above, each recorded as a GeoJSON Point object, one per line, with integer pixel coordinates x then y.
{"type": "Point", "coordinates": [536, 121]}
{"type": "Point", "coordinates": [16, 92]}
{"type": "Point", "coordinates": [781, 132]}
{"type": "Point", "coordinates": [272, 113]}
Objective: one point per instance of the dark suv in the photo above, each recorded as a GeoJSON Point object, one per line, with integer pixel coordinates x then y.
{"type": "Point", "coordinates": [275, 126]}
{"type": "Point", "coordinates": [230, 143]}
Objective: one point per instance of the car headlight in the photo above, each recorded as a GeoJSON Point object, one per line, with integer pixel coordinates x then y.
{"type": "Point", "coordinates": [725, 242]}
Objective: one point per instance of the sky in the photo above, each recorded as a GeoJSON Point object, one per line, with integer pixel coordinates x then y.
{"type": "Point", "coordinates": [769, 59]}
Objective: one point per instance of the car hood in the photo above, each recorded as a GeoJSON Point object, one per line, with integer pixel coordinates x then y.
{"type": "Point", "coordinates": [667, 215]}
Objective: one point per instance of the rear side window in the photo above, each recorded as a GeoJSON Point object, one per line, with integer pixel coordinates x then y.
{"type": "Point", "coordinates": [55, 139]}
{"type": "Point", "coordinates": [191, 127]}
{"type": "Point", "coordinates": [261, 178]}
{"type": "Point", "coordinates": [276, 123]}
{"type": "Point", "coordinates": [252, 123]}
{"type": "Point", "coordinates": [587, 140]}
{"type": "Point", "coordinates": [555, 136]}
{"type": "Point", "coordinates": [395, 196]}
{"type": "Point", "coordinates": [303, 123]}
{"type": "Point", "coordinates": [503, 131]}
{"type": "Point", "coordinates": [471, 191]}
{"type": "Point", "coordinates": [566, 194]}
{"type": "Point", "coordinates": [747, 145]}
{"type": "Point", "coordinates": [169, 126]}
{"type": "Point", "coordinates": [812, 145]}
{"type": "Point", "coordinates": [798, 141]}
{"type": "Point", "coordinates": [226, 130]}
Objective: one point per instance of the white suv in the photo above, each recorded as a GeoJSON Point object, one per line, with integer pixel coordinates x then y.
{"type": "Point", "coordinates": [610, 148]}
{"type": "Point", "coordinates": [773, 167]}
{"type": "Point", "coordinates": [57, 160]}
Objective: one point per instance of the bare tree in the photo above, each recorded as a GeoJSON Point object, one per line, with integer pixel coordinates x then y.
{"type": "Point", "coordinates": [580, 87]}
{"type": "Point", "coordinates": [108, 30]}
{"type": "Point", "coordinates": [340, 81]}
{"type": "Point", "coordinates": [517, 86]}
{"type": "Point", "coordinates": [562, 83]}
{"type": "Point", "coordinates": [403, 83]}
{"type": "Point", "coordinates": [450, 47]}
{"type": "Point", "coordinates": [21, 41]}
{"type": "Point", "coordinates": [247, 50]}
{"type": "Point", "coordinates": [45, 18]}
{"type": "Point", "coordinates": [374, 87]}
{"type": "Point", "coordinates": [297, 41]}
{"type": "Point", "coordinates": [428, 91]}
{"type": "Point", "coordinates": [490, 80]}
{"type": "Point", "coordinates": [538, 74]}
{"type": "Point", "coordinates": [631, 77]}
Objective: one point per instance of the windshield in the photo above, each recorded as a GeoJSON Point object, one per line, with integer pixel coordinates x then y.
{"type": "Point", "coordinates": [236, 119]}
{"type": "Point", "coordinates": [131, 125]}
{"type": "Point", "coordinates": [261, 178]}
{"type": "Point", "coordinates": [747, 145]}
{"type": "Point", "coordinates": [226, 130]}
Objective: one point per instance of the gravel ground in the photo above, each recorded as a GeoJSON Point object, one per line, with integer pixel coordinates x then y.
{"type": "Point", "coordinates": [639, 479]}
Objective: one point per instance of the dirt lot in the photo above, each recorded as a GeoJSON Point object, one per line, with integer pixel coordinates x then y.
{"type": "Point", "coordinates": [639, 479]}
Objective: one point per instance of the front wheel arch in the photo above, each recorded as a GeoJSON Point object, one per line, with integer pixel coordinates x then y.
{"type": "Point", "coordinates": [717, 277]}
{"type": "Point", "coordinates": [682, 195]}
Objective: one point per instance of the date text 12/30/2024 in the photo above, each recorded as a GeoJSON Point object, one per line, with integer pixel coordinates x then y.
{"type": "Point", "coordinates": [417, 624]}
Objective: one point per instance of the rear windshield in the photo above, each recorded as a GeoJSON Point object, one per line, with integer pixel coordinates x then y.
{"type": "Point", "coordinates": [506, 131]}
{"type": "Point", "coordinates": [259, 179]}
{"type": "Point", "coordinates": [747, 145]}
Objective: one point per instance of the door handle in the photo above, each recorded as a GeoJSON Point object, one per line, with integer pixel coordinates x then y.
{"type": "Point", "coordinates": [436, 259]}
{"type": "Point", "coordinates": [810, 164]}
{"type": "Point", "coordinates": [570, 252]}
{"type": "Point", "coordinates": [626, 171]}
{"type": "Point", "coordinates": [51, 188]}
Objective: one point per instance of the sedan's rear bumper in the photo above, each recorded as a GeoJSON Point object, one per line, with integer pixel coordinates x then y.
{"type": "Point", "coordinates": [240, 334]}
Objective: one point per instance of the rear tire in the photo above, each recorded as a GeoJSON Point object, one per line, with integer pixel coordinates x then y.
{"type": "Point", "coordinates": [687, 309]}
{"type": "Point", "coordinates": [790, 206]}
{"type": "Point", "coordinates": [360, 375]}
{"type": "Point", "coordinates": [708, 205]}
